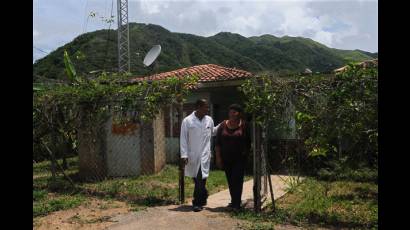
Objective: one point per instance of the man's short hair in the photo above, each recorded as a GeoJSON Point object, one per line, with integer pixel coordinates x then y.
{"type": "Point", "coordinates": [200, 103]}
{"type": "Point", "coordinates": [236, 107]}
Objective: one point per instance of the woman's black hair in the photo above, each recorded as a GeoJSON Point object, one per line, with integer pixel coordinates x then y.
{"type": "Point", "coordinates": [236, 107]}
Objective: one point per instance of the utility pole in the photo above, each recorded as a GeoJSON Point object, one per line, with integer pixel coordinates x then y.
{"type": "Point", "coordinates": [123, 37]}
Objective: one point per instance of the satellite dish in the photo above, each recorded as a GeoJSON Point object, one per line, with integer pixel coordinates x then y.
{"type": "Point", "coordinates": [152, 55]}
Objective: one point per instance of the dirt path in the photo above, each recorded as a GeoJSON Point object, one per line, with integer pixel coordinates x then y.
{"type": "Point", "coordinates": [114, 215]}
{"type": "Point", "coordinates": [94, 214]}
{"type": "Point", "coordinates": [175, 217]}
{"type": "Point", "coordinates": [181, 217]}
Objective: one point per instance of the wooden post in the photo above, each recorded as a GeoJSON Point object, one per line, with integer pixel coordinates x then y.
{"type": "Point", "coordinates": [67, 150]}
{"type": "Point", "coordinates": [259, 169]}
{"type": "Point", "coordinates": [52, 156]}
{"type": "Point", "coordinates": [181, 163]}
{"type": "Point", "coordinates": [254, 160]}
{"type": "Point", "coordinates": [171, 122]}
{"type": "Point", "coordinates": [256, 167]}
{"type": "Point", "coordinates": [272, 197]}
{"type": "Point", "coordinates": [266, 144]}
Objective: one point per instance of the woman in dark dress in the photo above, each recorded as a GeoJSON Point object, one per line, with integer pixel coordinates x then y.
{"type": "Point", "coordinates": [232, 147]}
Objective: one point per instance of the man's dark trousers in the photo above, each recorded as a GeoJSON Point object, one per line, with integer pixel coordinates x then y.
{"type": "Point", "coordinates": [200, 192]}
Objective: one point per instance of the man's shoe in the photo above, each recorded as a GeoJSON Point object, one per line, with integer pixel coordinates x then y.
{"type": "Point", "coordinates": [197, 208]}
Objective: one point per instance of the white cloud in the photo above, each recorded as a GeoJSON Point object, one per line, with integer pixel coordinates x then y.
{"type": "Point", "coordinates": [347, 24]}
{"type": "Point", "coordinates": [150, 7]}
{"type": "Point", "coordinates": [323, 37]}
{"type": "Point", "coordinates": [296, 21]}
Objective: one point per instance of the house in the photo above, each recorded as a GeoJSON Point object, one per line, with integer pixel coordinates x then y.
{"type": "Point", "coordinates": [132, 149]}
{"type": "Point", "coordinates": [307, 72]}
{"type": "Point", "coordinates": [216, 83]}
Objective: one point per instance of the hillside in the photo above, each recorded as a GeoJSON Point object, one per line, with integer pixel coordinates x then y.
{"type": "Point", "coordinates": [261, 53]}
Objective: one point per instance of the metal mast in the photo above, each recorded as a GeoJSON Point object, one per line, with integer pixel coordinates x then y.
{"type": "Point", "coordinates": [123, 37]}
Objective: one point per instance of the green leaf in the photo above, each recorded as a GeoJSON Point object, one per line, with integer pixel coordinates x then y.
{"type": "Point", "coordinates": [79, 55]}
{"type": "Point", "coordinates": [318, 152]}
{"type": "Point", "coordinates": [69, 67]}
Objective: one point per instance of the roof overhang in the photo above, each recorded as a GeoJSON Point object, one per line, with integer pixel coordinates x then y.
{"type": "Point", "coordinates": [214, 84]}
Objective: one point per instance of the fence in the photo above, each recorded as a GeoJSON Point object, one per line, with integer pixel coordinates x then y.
{"type": "Point", "coordinates": [337, 121]}
{"type": "Point", "coordinates": [122, 146]}
{"type": "Point", "coordinates": [272, 154]}
{"type": "Point", "coordinates": [113, 147]}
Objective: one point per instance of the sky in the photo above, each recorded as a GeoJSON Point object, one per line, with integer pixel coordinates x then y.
{"type": "Point", "coordinates": [342, 24]}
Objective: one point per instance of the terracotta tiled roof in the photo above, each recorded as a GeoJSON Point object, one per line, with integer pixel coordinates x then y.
{"type": "Point", "coordinates": [364, 64]}
{"type": "Point", "coordinates": [206, 73]}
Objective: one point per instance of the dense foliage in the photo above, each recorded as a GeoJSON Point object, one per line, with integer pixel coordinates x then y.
{"type": "Point", "coordinates": [335, 115]}
{"type": "Point", "coordinates": [97, 51]}
{"type": "Point", "coordinates": [60, 109]}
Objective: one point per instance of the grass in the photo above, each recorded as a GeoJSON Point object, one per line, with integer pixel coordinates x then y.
{"type": "Point", "coordinates": [45, 203]}
{"type": "Point", "coordinates": [151, 190]}
{"type": "Point", "coordinates": [345, 204]}
{"type": "Point", "coordinates": [50, 196]}
{"type": "Point", "coordinates": [358, 175]}
{"type": "Point", "coordinates": [43, 169]}
{"type": "Point", "coordinates": [140, 192]}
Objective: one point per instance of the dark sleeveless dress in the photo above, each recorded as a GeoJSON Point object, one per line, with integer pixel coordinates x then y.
{"type": "Point", "coordinates": [234, 144]}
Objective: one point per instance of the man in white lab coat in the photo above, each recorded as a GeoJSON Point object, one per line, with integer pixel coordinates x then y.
{"type": "Point", "coordinates": [195, 141]}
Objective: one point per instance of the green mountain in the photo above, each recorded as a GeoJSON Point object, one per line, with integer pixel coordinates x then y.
{"type": "Point", "coordinates": [98, 50]}
{"type": "Point", "coordinates": [373, 55]}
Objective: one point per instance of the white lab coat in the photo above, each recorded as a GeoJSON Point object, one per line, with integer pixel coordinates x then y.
{"type": "Point", "coordinates": [195, 143]}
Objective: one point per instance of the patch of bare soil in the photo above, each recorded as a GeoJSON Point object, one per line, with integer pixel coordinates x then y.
{"type": "Point", "coordinates": [94, 214]}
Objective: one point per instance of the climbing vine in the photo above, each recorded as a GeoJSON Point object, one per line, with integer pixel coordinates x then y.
{"type": "Point", "coordinates": [63, 108]}
{"type": "Point", "coordinates": [335, 115]}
